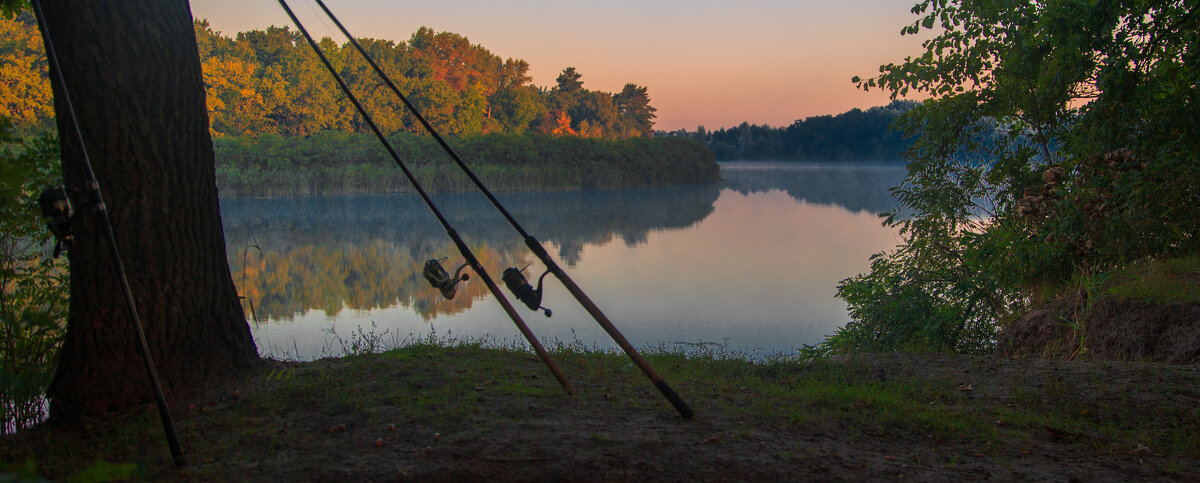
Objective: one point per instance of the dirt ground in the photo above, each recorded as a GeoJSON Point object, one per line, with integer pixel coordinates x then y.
{"type": "Point", "coordinates": [596, 436]}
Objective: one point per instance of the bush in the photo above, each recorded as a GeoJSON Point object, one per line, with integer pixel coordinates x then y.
{"type": "Point", "coordinates": [33, 290]}
{"type": "Point", "coordinates": [1059, 142]}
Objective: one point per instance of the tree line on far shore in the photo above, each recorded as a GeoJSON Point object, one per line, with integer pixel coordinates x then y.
{"type": "Point", "coordinates": [855, 135]}
{"type": "Point", "coordinates": [271, 82]}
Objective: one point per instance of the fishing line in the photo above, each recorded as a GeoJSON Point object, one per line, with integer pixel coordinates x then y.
{"type": "Point", "coordinates": [534, 245]}
{"type": "Point", "coordinates": [458, 241]}
{"type": "Point", "coordinates": [318, 16]}
{"type": "Point", "coordinates": [93, 186]}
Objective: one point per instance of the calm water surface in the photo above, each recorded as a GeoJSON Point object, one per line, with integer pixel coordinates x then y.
{"type": "Point", "coordinates": [751, 263]}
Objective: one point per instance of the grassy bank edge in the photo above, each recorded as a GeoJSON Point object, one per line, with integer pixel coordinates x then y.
{"type": "Point", "coordinates": [335, 163]}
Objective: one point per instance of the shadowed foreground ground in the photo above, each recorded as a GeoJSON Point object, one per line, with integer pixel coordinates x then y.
{"type": "Point", "coordinates": [467, 413]}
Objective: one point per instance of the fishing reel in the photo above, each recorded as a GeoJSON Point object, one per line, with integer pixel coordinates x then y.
{"type": "Point", "coordinates": [56, 209]}
{"type": "Point", "coordinates": [55, 203]}
{"type": "Point", "coordinates": [441, 280]}
{"type": "Point", "coordinates": [516, 282]}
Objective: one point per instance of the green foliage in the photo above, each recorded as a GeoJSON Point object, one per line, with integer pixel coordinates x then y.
{"type": "Point", "coordinates": [10, 8]}
{"type": "Point", "coordinates": [1058, 138]}
{"type": "Point", "coordinates": [516, 109]}
{"type": "Point", "coordinates": [101, 471]}
{"type": "Point", "coordinates": [33, 291]}
{"type": "Point", "coordinates": [1174, 281]}
{"type": "Point", "coordinates": [855, 135]}
{"type": "Point", "coordinates": [337, 162]}
{"type": "Point", "coordinates": [634, 112]}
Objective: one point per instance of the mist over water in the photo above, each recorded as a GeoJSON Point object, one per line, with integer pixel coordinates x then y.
{"type": "Point", "coordinates": [751, 263]}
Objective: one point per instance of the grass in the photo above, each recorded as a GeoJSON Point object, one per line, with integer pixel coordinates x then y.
{"type": "Point", "coordinates": [810, 393]}
{"type": "Point", "coordinates": [1171, 281]}
{"type": "Point", "coordinates": [477, 387]}
{"type": "Point", "coordinates": [1175, 281]}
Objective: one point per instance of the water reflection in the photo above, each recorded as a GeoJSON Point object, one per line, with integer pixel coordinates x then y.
{"type": "Point", "coordinates": [752, 262]}
{"type": "Point", "coordinates": [855, 187]}
{"type": "Point", "coordinates": [365, 252]}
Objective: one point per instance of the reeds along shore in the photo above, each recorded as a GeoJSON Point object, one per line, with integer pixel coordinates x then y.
{"type": "Point", "coordinates": [336, 162]}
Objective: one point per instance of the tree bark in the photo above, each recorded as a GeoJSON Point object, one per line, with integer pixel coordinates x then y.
{"type": "Point", "coordinates": [132, 69]}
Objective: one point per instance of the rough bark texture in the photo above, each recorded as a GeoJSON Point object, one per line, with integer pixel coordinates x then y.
{"type": "Point", "coordinates": [133, 73]}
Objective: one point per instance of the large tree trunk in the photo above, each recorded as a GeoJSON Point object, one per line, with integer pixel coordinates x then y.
{"type": "Point", "coordinates": [133, 72]}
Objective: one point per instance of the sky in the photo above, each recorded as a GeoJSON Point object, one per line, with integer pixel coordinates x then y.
{"type": "Point", "coordinates": [705, 63]}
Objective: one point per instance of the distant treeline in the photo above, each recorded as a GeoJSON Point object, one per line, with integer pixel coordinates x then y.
{"type": "Point", "coordinates": [340, 162]}
{"type": "Point", "coordinates": [270, 81]}
{"type": "Point", "coordinates": [856, 135]}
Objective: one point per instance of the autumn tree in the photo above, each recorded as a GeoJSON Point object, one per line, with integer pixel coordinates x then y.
{"type": "Point", "coordinates": [239, 100]}
{"type": "Point", "coordinates": [451, 56]}
{"type": "Point", "coordinates": [25, 97]}
{"type": "Point", "coordinates": [133, 73]}
{"type": "Point", "coordinates": [268, 82]}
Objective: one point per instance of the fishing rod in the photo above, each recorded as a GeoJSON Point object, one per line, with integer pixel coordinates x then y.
{"type": "Point", "coordinates": [436, 275]}
{"type": "Point", "coordinates": [56, 206]}
{"type": "Point", "coordinates": [522, 289]}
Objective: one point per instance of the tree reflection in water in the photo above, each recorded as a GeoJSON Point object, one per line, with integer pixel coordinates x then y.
{"type": "Point", "coordinates": [755, 258]}
{"type": "Point", "coordinates": [365, 252]}
{"type": "Point", "coordinates": [853, 186]}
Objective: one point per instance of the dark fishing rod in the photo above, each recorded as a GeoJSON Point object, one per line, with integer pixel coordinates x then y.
{"type": "Point", "coordinates": [458, 241]}
{"type": "Point", "coordinates": [533, 244]}
{"type": "Point", "coordinates": [58, 201]}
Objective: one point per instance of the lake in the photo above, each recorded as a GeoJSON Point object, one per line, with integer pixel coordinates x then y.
{"type": "Point", "coordinates": [750, 264]}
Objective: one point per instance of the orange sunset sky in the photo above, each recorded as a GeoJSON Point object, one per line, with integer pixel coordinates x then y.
{"type": "Point", "coordinates": [706, 63]}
